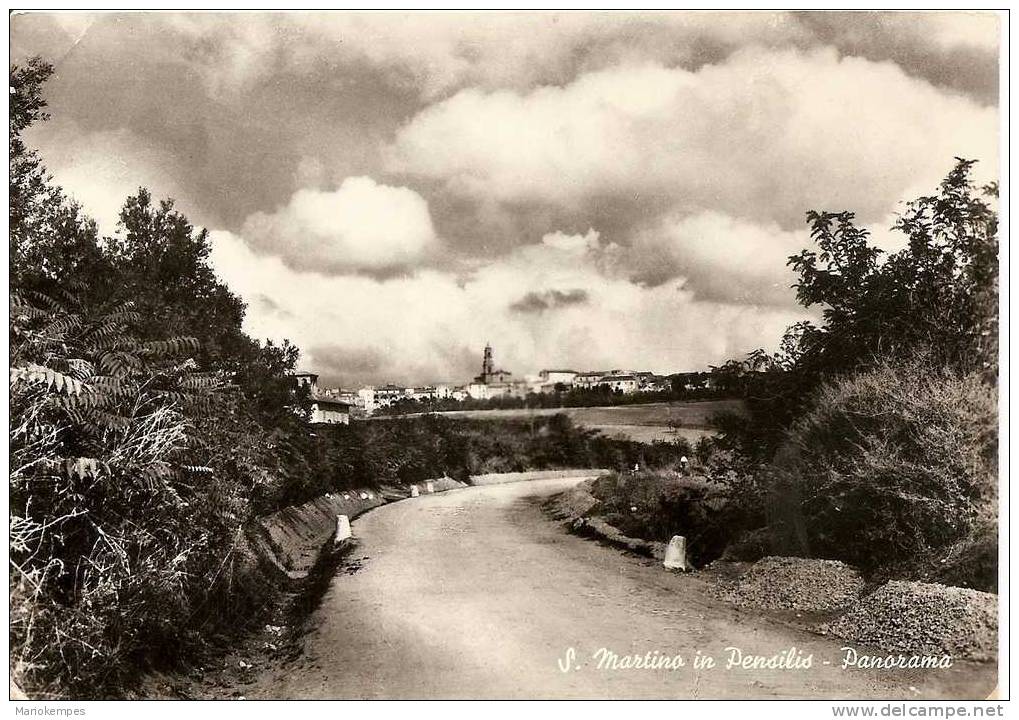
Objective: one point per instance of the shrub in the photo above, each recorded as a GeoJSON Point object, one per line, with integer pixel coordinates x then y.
{"type": "Point", "coordinates": [890, 465]}
{"type": "Point", "coordinates": [120, 537]}
{"type": "Point", "coordinates": [706, 512]}
{"type": "Point", "coordinates": [973, 561]}
{"type": "Point", "coordinates": [406, 450]}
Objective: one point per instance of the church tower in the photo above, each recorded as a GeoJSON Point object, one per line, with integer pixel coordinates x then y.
{"type": "Point", "coordinates": [489, 374]}
{"type": "Point", "coordinates": [488, 364]}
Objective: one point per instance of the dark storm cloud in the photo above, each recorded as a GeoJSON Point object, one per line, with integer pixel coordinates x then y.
{"type": "Point", "coordinates": [537, 302]}
{"type": "Point", "coordinates": [239, 140]}
{"type": "Point", "coordinates": [239, 104]}
{"type": "Point", "coordinates": [906, 40]}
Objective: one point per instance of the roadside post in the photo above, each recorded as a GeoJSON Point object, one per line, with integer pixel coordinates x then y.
{"type": "Point", "coordinates": [343, 530]}
{"type": "Point", "coordinates": [675, 554]}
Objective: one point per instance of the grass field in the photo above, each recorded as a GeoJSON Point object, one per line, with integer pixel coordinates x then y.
{"type": "Point", "coordinates": [643, 423]}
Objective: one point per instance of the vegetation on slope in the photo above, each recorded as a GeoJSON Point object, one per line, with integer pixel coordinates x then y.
{"type": "Point", "coordinates": [871, 438]}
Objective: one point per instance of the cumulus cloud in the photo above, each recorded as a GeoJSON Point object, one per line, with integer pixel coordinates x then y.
{"type": "Point", "coordinates": [435, 53]}
{"type": "Point", "coordinates": [727, 259]}
{"type": "Point", "coordinates": [953, 50]}
{"type": "Point", "coordinates": [763, 135]}
{"type": "Point", "coordinates": [382, 329]}
{"type": "Point", "coordinates": [723, 258]}
{"type": "Point", "coordinates": [360, 225]}
{"type": "Point", "coordinates": [731, 260]}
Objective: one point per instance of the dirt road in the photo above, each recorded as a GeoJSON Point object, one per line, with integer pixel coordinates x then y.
{"type": "Point", "coordinates": [476, 593]}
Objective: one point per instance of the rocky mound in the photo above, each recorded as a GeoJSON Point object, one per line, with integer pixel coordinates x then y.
{"type": "Point", "coordinates": [925, 619]}
{"type": "Point", "coordinates": [788, 583]}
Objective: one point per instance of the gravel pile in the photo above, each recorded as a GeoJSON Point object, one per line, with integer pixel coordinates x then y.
{"type": "Point", "coordinates": [788, 583]}
{"type": "Point", "coordinates": [924, 619]}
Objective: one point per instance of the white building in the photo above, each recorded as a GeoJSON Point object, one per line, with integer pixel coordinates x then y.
{"type": "Point", "coordinates": [327, 411]}
{"type": "Point", "coordinates": [552, 377]}
{"type": "Point", "coordinates": [590, 379]}
{"type": "Point", "coordinates": [621, 383]}
{"type": "Point", "coordinates": [487, 391]}
{"type": "Point", "coordinates": [326, 408]}
{"type": "Point", "coordinates": [421, 394]}
{"type": "Point", "coordinates": [366, 399]}
{"type": "Point", "coordinates": [386, 395]}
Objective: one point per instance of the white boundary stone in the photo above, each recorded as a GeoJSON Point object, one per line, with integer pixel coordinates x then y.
{"type": "Point", "coordinates": [675, 554]}
{"type": "Point", "coordinates": [343, 530]}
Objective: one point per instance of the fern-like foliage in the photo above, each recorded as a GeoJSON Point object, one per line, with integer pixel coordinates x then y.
{"type": "Point", "coordinates": [96, 379]}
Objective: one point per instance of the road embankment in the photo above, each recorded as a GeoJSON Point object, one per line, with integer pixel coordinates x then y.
{"type": "Point", "coordinates": [289, 543]}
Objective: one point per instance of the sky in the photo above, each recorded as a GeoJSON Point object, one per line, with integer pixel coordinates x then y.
{"type": "Point", "coordinates": [390, 191]}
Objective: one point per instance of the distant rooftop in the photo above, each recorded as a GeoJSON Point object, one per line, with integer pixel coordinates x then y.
{"type": "Point", "coordinates": [326, 400]}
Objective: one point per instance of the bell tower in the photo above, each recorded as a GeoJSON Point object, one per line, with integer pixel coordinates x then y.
{"type": "Point", "coordinates": [488, 364]}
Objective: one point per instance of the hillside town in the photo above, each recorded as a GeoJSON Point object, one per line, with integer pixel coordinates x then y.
{"type": "Point", "coordinates": [337, 405]}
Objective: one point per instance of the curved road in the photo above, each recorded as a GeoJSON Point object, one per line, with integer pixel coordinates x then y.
{"type": "Point", "coordinates": [476, 593]}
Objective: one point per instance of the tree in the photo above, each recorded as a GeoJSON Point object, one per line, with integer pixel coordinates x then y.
{"type": "Point", "coordinates": [874, 433]}
{"type": "Point", "coordinates": [937, 296]}
{"type": "Point", "coordinates": [50, 238]}
{"type": "Point", "coordinates": [162, 262]}
{"type": "Point", "coordinates": [135, 463]}
{"type": "Point", "coordinates": [115, 520]}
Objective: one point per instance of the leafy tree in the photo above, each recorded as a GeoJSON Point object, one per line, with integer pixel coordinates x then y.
{"type": "Point", "coordinates": [50, 238]}
{"type": "Point", "coordinates": [937, 296]}
{"type": "Point", "coordinates": [163, 267]}
{"type": "Point", "coordinates": [873, 434]}
{"type": "Point", "coordinates": [135, 462]}
{"type": "Point", "coordinates": [163, 264]}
